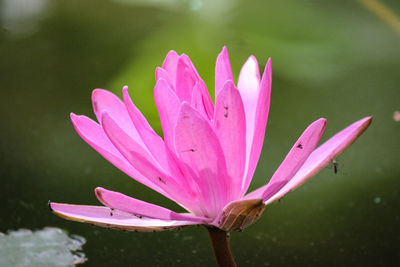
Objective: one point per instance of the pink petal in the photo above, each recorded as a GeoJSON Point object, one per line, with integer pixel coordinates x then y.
{"type": "Point", "coordinates": [198, 147]}
{"type": "Point", "coordinates": [168, 107]}
{"type": "Point", "coordinates": [94, 135]}
{"type": "Point", "coordinates": [230, 127]}
{"type": "Point", "coordinates": [223, 70]}
{"type": "Point", "coordinates": [150, 138]}
{"type": "Point", "coordinates": [145, 164]}
{"type": "Point", "coordinates": [249, 88]}
{"type": "Point", "coordinates": [163, 74]}
{"type": "Point", "coordinates": [189, 63]}
{"type": "Point", "coordinates": [113, 219]}
{"type": "Point", "coordinates": [185, 81]}
{"type": "Point", "coordinates": [169, 65]}
{"type": "Point", "coordinates": [323, 155]}
{"type": "Point", "coordinates": [260, 122]}
{"type": "Point", "coordinates": [296, 157]}
{"type": "Point", "coordinates": [122, 141]}
{"type": "Point", "coordinates": [116, 200]}
{"type": "Point", "coordinates": [201, 100]}
{"type": "Point", "coordinates": [104, 100]}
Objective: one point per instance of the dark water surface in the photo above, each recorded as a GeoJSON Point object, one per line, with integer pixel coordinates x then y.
{"type": "Point", "coordinates": [332, 59]}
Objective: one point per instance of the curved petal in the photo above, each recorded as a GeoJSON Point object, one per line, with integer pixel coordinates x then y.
{"type": "Point", "coordinates": [185, 81]}
{"type": "Point", "coordinates": [197, 146]}
{"type": "Point", "coordinates": [150, 138]}
{"type": "Point", "coordinates": [169, 65]}
{"type": "Point", "coordinates": [223, 70]}
{"type": "Point", "coordinates": [168, 107]}
{"type": "Point", "coordinates": [323, 155]}
{"type": "Point", "coordinates": [296, 157]}
{"type": "Point", "coordinates": [249, 88]}
{"type": "Point", "coordinates": [93, 134]}
{"type": "Point", "coordinates": [163, 74]}
{"type": "Point", "coordinates": [189, 63]}
{"type": "Point", "coordinates": [104, 100]}
{"type": "Point", "coordinates": [122, 141]}
{"type": "Point", "coordinates": [105, 217]}
{"type": "Point", "coordinates": [230, 127]}
{"type": "Point", "coordinates": [119, 201]}
{"type": "Point", "coordinates": [175, 187]}
{"type": "Point", "coordinates": [201, 100]}
{"type": "Point", "coordinates": [260, 122]}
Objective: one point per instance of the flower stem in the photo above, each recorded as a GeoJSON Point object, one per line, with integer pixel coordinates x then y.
{"type": "Point", "coordinates": [222, 250]}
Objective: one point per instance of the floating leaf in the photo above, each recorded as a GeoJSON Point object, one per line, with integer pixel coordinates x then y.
{"type": "Point", "coordinates": [47, 247]}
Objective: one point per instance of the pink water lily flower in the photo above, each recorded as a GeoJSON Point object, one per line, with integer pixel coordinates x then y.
{"type": "Point", "coordinates": [208, 155]}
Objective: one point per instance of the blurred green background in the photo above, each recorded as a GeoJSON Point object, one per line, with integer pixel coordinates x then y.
{"type": "Point", "coordinates": [332, 59]}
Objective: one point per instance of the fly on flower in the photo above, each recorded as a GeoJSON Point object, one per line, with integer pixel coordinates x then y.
{"type": "Point", "coordinates": [207, 156]}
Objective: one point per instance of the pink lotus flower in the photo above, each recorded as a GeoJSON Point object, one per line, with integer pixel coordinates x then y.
{"type": "Point", "coordinates": [209, 153]}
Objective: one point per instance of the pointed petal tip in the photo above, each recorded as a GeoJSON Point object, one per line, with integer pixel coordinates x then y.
{"type": "Point", "coordinates": [98, 188]}
{"type": "Point", "coordinates": [98, 193]}
{"type": "Point", "coordinates": [159, 73]}
{"type": "Point", "coordinates": [229, 84]}
{"type": "Point", "coordinates": [184, 108]}
{"type": "Point", "coordinates": [125, 95]}
{"type": "Point", "coordinates": [368, 119]}
{"type": "Point", "coordinates": [97, 91]}
{"type": "Point", "coordinates": [252, 59]}
{"type": "Point", "coordinates": [49, 205]}
{"type": "Point", "coordinates": [224, 52]}
{"type": "Point", "coordinates": [161, 83]}
{"type": "Point", "coordinates": [172, 52]}
{"type": "Point", "coordinates": [363, 123]}
{"type": "Point", "coordinates": [75, 120]}
{"type": "Point", "coordinates": [268, 66]}
{"type": "Point", "coordinates": [322, 121]}
{"type": "Point", "coordinates": [72, 116]}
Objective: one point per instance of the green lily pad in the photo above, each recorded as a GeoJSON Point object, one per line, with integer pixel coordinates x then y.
{"type": "Point", "coordinates": [47, 247]}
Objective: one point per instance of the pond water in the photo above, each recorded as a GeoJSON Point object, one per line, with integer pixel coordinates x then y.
{"type": "Point", "coordinates": [332, 59]}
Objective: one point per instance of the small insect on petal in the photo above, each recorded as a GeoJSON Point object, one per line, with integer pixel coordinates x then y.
{"type": "Point", "coordinates": [300, 146]}
{"type": "Point", "coordinates": [226, 111]}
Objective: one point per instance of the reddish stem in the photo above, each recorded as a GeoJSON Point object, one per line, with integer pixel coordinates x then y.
{"type": "Point", "coordinates": [222, 250]}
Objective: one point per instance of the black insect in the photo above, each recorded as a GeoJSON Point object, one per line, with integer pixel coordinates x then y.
{"type": "Point", "coordinates": [300, 146]}
{"type": "Point", "coordinates": [335, 165]}
{"type": "Point", "coordinates": [189, 150]}
{"type": "Point", "coordinates": [226, 111]}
